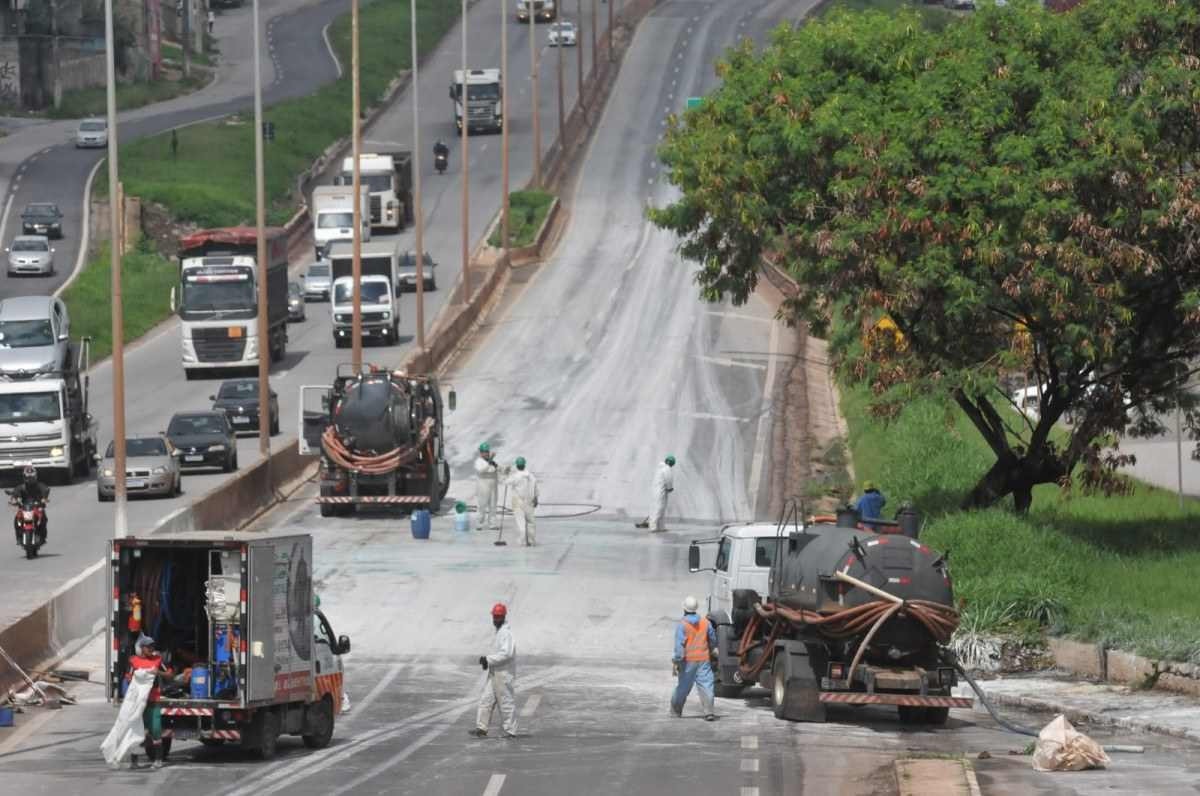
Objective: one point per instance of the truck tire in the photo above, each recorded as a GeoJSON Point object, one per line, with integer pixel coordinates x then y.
{"type": "Point", "coordinates": [911, 714]}
{"type": "Point", "coordinates": [262, 738]}
{"type": "Point", "coordinates": [189, 375]}
{"type": "Point", "coordinates": [794, 693]}
{"type": "Point", "coordinates": [726, 646]}
{"type": "Point", "coordinates": [319, 720]}
{"type": "Point", "coordinates": [937, 716]}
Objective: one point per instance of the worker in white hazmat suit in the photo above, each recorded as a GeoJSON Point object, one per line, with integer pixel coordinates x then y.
{"type": "Point", "coordinates": [487, 476]}
{"type": "Point", "coordinates": [524, 490]}
{"type": "Point", "coordinates": [501, 667]}
{"type": "Point", "coordinates": [664, 484]}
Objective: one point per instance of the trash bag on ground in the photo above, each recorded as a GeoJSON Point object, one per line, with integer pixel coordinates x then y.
{"type": "Point", "coordinates": [1060, 747]}
{"type": "Point", "coordinates": [127, 731]}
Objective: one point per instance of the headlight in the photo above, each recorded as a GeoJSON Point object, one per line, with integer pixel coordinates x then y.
{"type": "Point", "coordinates": [108, 473]}
{"type": "Point", "coordinates": [387, 315]}
{"type": "Point", "coordinates": [251, 347]}
{"type": "Point", "coordinates": [215, 448]}
{"type": "Point", "coordinates": [56, 451]}
{"type": "Point", "coordinates": [159, 470]}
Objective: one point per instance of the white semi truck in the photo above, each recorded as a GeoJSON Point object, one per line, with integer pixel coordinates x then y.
{"type": "Point", "coordinates": [545, 10]}
{"type": "Point", "coordinates": [485, 108]}
{"type": "Point", "coordinates": [333, 216]}
{"type": "Point", "coordinates": [388, 179]}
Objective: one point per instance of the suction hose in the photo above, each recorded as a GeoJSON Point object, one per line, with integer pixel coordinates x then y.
{"type": "Point", "coordinates": [1006, 724]}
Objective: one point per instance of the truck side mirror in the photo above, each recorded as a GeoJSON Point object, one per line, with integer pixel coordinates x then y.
{"type": "Point", "coordinates": [452, 400]}
{"type": "Point", "coordinates": [452, 92]}
{"type": "Point", "coordinates": [97, 458]}
{"type": "Point", "coordinates": [343, 645]}
{"type": "Point", "coordinates": [693, 557]}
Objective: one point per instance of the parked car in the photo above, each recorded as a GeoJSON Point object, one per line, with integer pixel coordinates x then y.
{"type": "Point", "coordinates": [408, 271]}
{"type": "Point", "coordinates": [318, 280]}
{"type": "Point", "coordinates": [204, 439]}
{"type": "Point", "coordinates": [238, 399]}
{"type": "Point", "coordinates": [563, 32]}
{"type": "Point", "coordinates": [30, 254]}
{"type": "Point", "coordinates": [151, 468]}
{"type": "Point", "coordinates": [42, 218]}
{"type": "Point", "coordinates": [296, 310]}
{"type": "Point", "coordinates": [34, 334]}
{"type": "Point", "coordinates": [959, 5]}
{"type": "Point", "coordinates": [92, 133]}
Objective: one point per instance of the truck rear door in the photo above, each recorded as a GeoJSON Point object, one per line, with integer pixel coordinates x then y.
{"type": "Point", "coordinates": [314, 416]}
{"type": "Point", "coordinates": [281, 620]}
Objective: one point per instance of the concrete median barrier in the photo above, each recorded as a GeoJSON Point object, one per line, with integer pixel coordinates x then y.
{"type": "Point", "coordinates": [75, 613]}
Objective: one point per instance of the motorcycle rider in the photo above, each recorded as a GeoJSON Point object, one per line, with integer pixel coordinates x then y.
{"type": "Point", "coordinates": [440, 150]}
{"type": "Point", "coordinates": [33, 489]}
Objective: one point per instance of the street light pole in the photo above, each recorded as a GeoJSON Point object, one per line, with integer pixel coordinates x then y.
{"type": "Point", "coordinates": [533, 75]}
{"type": "Point", "coordinates": [120, 516]}
{"type": "Point", "coordinates": [1179, 449]}
{"type": "Point", "coordinates": [504, 206]}
{"type": "Point", "coordinates": [356, 186]}
{"type": "Point", "coordinates": [579, 51]}
{"type": "Point", "coordinates": [418, 219]}
{"type": "Point", "coordinates": [611, 3]}
{"type": "Point", "coordinates": [562, 114]}
{"type": "Point", "coordinates": [464, 98]}
{"type": "Point", "coordinates": [260, 233]}
{"type": "Point", "coordinates": [594, 48]}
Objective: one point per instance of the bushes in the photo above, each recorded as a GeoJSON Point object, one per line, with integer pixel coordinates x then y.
{"type": "Point", "coordinates": [526, 212]}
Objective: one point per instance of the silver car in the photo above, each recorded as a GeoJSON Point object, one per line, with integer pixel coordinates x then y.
{"type": "Point", "coordinates": [30, 254]}
{"type": "Point", "coordinates": [92, 133]}
{"type": "Point", "coordinates": [151, 468]}
{"type": "Point", "coordinates": [35, 334]}
{"type": "Point", "coordinates": [318, 280]}
{"type": "Point", "coordinates": [562, 33]}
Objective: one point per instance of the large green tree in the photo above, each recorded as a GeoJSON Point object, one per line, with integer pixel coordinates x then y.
{"type": "Point", "coordinates": [1016, 193]}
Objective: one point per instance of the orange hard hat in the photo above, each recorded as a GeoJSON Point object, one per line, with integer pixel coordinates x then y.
{"type": "Point", "coordinates": [499, 610]}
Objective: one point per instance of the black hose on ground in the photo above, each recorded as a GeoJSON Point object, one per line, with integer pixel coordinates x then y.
{"type": "Point", "coordinates": [1019, 730]}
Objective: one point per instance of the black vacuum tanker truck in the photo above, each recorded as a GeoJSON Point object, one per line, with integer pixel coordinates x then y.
{"type": "Point", "coordinates": [851, 615]}
{"type": "Point", "coordinates": [379, 436]}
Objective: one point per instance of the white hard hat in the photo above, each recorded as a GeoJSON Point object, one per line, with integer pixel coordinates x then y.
{"type": "Point", "coordinates": [690, 604]}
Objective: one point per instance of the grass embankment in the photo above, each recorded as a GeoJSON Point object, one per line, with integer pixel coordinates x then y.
{"type": "Point", "coordinates": [147, 279]}
{"type": "Point", "coordinates": [934, 16]}
{"type": "Point", "coordinates": [172, 53]}
{"type": "Point", "coordinates": [91, 101]}
{"type": "Point", "coordinates": [526, 212]}
{"type": "Point", "coordinates": [1115, 569]}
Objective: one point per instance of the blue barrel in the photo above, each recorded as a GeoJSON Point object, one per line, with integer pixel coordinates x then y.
{"type": "Point", "coordinates": [6, 717]}
{"type": "Point", "coordinates": [462, 522]}
{"type": "Point", "coordinates": [199, 682]}
{"type": "Point", "coordinates": [420, 524]}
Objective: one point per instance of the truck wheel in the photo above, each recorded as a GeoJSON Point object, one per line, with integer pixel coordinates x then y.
{"type": "Point", "coordinates": [794, 695]}
{"type": "Point", "coordinates": [911, 714]}
{"type": "Point", "coordinates": [264, 734]}
{"type": "Point", "coordinates": [727, 642]}
{"type": "Point", "coordinates": [327, 510]}
{"type": "Point", "coordinates": [190, 375]}
{"type": "Point", "coordinates": [320, 721]}
{"type": "Point", "coordinates": [937, 716]}
{"type": "Point", "coordinates": [212, 743]}
{"type": "Point", "coordinates": [445, 490]}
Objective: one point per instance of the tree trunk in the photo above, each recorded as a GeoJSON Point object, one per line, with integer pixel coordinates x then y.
{"type": "Point", "coordinates": [1017, 476]}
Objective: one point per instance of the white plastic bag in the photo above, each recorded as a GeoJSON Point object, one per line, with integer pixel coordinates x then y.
{"type": "Point", "coordinates": [127, 731]}
{"type": "Point", "coordinates": [1060, 747]}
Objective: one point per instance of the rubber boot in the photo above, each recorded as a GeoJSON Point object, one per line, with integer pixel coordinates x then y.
{"type": "Point", "coordinates": [154, 751]}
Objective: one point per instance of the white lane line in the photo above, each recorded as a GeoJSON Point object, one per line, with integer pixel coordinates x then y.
{"type": "Point", "coordinates": [749, 790]}
{"type": "Point", "coordinates": [749, 741]}
{"type": "Point", "coordinates": [764, 417]}
{"type": "Point", "coordinates": [494, 785]}
{"type": "Point", "coordinates": [739, 316]}
{"type": "Point", "coordinates": [706, 415]}
{"type": "Point", "coordinates": [732, 363]}
{"type": "Point", "coordinates": [4, 217]}
{"type": "Point", "coordinates": [84, 231]}
{"type": "Point", "coordinates": [329, 47]}
{"type": "Point", "coordinates": [379, 688]}
{"type": "Point", "coordinates": [750, 764]}
{"type": "Point", "coordinates": [531, 705]}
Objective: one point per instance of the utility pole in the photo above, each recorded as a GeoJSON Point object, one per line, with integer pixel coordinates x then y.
{"type": "Point", "coordinates": [504, 239]}
{"type": "Point", "coordinates": [611, 3]}
{"type": "Point", "coordinates": [356, 186]}
{"type": "Point", "coordinates": [533, 75]}
{"type": "Point", "coordinates": [1179, 449]}
{"type": "Point", "coordinates": [260, 234]}
{"type": "Point", "coordinates": [187, 38]}
{"type": "Point", "coordinates": [464, 99]}
{"type": "Point", "coordinates": [594, 48]}
{"type": "Point", "coordinates": [579, 51]}
{"type": "Point", "coordinates": [418, 219]}
{"type": "Point", "coordinates": [562, 114]}
{"type": "Point", "coordinates": [120, 518]}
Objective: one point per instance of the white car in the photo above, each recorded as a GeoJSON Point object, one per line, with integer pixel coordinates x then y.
{"type": "Point", "coordinates": [92, 133]}
{"type": "Point", "coordinates": [30, 254]}
{"type": "Point", "coordinates": [564, 32]}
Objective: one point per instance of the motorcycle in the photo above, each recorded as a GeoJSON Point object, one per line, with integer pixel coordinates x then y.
{"type": "Point", "coordinates": [440, 161]}
{"type": "Point", "coordinates": [31, 514]}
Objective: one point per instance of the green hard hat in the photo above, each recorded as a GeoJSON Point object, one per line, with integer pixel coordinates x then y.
{"type": "Point", "coordinates": [670, 460]}
{"type": "Point", "coordinates": [460, 507]}
{"type": "Point", "coordinates": [520, 462]}
{"type": "Point", "coordinates": [316, 601]}
{"type": "Point", "coordinates": [484, 447]}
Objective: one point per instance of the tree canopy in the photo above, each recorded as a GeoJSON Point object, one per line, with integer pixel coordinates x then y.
{"type": "Point", "coordinates": [1015, 193]}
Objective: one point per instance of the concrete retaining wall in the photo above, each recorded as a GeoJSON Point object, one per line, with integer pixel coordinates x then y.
{"type": "Point", "coordinates": [1117, 666]}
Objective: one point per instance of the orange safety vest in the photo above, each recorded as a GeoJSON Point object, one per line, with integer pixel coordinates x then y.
{"type": "Point", "coordinates": [695, 640]}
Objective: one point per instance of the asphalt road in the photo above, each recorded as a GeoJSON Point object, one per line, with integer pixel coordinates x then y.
{"type": "Point", "coordinates": [156, 388]}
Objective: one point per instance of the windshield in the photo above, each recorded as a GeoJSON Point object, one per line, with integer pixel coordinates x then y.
{"type": "Point", "coordinates": [25, 334]}
{"type": "Point", "coordinates": [135, 448]}
{"type": "Point", "coordinates": [30, 246]}
{"type": "Point", "coordinates": [294, 290]}
{"type": "Point", "coordinates": [92, 127]}
{"type": "Point", "coordinates": [198, 424]}
{"type": "Point", "coordinates": [239, 389]}
{"type": "Point", "coordinates": [35, 407]}
{"type": "Point", "coordinates": [566, 27]}
{"type": "Point", "coordinates": [483, 91]}
{"type": "Point", "coordinates": [40, 210]}
{"type": "Point", "coordinates": [318, 270]}
{"type": "Point", "coordinates": [217, 293]}
{"type": "Point", "coordinates": [375, 183]}
{"type": "Point", "coordinates": [372, 293]}
{"type": "Point", "coordinates": [335, 220]}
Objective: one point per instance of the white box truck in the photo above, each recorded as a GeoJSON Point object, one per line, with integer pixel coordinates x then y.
{"type": "Point", "coordinates": [333, 216]}
{"type": "Point", "coordinates": [380, 265]}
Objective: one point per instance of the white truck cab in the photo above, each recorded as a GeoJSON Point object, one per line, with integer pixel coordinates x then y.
{"type": "Point", "coordinates": [333, 216]}
{"type": "Point", "coordinates": [740, 558]}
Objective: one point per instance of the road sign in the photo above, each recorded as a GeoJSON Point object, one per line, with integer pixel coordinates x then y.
{"type": "Point", "coordinates": [694, 102]}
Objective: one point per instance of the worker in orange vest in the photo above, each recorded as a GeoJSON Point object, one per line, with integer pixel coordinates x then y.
{"type": "Point", "coordinates": [695, 638]}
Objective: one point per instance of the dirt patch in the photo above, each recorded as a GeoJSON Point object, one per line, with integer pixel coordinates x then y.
{"type": "Point", "coordinates": [165, 232]}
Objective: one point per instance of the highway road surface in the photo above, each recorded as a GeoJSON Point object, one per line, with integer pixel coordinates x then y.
{"type": "Point", "coordinates": [156, 386]}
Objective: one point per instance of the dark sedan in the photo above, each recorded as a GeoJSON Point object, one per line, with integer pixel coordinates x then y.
{"type": "Point", "coordinates": [42, 218]}
{"type": "Point", "coordinates": [204, 439]}
{"type": "Point", "coordinates": [238, 399]}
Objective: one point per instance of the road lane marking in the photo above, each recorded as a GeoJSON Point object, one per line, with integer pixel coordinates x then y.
{"type": "Point", "coordinates": [741, 316]}
{"type": "Point", "coordinates": [706, 415]}
{"type": "Point", "coordinates": [4, 217]}
{"type": "Point", "coordinates": [731, 363]}
{"type": "Point", "coordinates": [750, 765]}
{"type": "Point", "coordinates": [329, 47]}
{"type": "Point", "coordinates": [494, 785]}
{"type": "Point", "coordinates": [749, 741]}
{"type": "Point", "coordinates": [379, 688]}
{"type": "Point", "coordinates": [749, 790]}
{"type": "Point", "coordinates": [764, 422]}
{"type": "Point", "coordinates": [530, 706]}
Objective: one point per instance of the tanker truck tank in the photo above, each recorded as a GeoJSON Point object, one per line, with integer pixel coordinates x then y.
{"type": "Point", "coordinates": [373, 415]}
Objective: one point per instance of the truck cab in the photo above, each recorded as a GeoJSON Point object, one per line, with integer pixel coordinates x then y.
{"type": "Point", "coordinates": [333, 216]}
{"type": "Point", "coordinates": [545, 10]}
{"type": "Point", "coordinates": [379, 269]}
{"type": "Point", "coordinates": [739, 559]}
{"type": "Point", "coordinates": [387, 177]}
{"type": "Point", "coordinates": [485, 107]}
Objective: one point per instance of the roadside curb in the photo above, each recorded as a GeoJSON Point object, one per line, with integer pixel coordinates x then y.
{"type": "Point", "coordinates": [920, 776]}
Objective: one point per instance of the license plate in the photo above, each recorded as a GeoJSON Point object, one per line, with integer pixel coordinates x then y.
{"type": "Point", "coordinates": [241, 421]}
{"type": "Point", "coordinates": [193, 458]}
{"type": "Point", "coordinates": [136, 483]}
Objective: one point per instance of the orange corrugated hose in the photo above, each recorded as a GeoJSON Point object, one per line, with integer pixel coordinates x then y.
{"type": "Point", "coordinates": [377, 464]}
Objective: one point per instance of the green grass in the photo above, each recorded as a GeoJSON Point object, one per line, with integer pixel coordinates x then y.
{"type": "Point", "coordinates": [91, 101]}
{"type": "Point", "coordinates": [211, 180]}
{"type": "Point", "coordinates": [173, 53]}
{"type": "Point", "coordinates": [1113, 569]}
{"type": "Point", "coordinates": [526, 212]}
{"type": "Point", "coordinates": [146, 282]}
{"type": "Point", "coordinates": [934, 15]}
